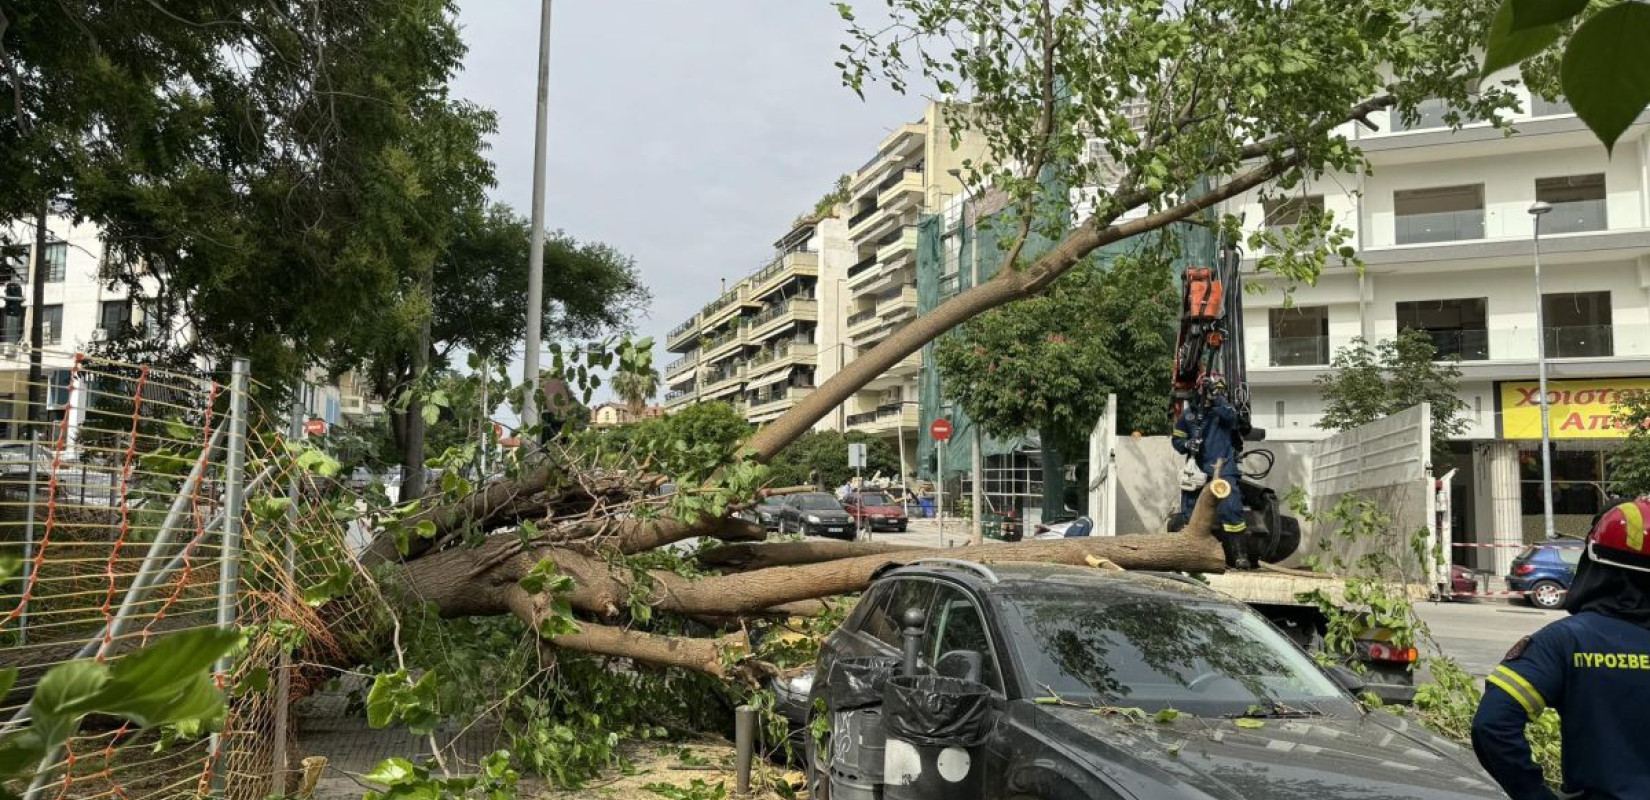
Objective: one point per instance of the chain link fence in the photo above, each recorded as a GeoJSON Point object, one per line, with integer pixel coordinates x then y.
{"type": "Point", "coordinates": [142, 502]}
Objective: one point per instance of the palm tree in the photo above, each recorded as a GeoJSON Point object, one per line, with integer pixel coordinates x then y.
{"type": "Point", "coordinates": [635, 389]}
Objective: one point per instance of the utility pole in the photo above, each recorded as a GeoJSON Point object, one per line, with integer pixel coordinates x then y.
{"type": "Point", "coordinates": [1537, 211]}
{"type": "Point", "coordinates": [535, 256]}
{"type": "Point", "coordinates": [37, 322]}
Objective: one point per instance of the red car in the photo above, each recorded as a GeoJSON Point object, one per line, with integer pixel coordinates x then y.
{"type": "Point", "coordinates": [875, 511]}
{"type": "Point", "coordinates": [1463, 582]}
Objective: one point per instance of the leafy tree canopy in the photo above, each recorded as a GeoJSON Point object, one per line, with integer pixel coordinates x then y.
{"type": "Point", "coordinates": [821, 458]}
{"type": "Point", "coordinates": [1047, 363]}
{"type": "Point", "coordinates": [1366, 383]}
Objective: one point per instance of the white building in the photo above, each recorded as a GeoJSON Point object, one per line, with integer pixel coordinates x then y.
{"type": "Point", "coordinates": [1443, 229]}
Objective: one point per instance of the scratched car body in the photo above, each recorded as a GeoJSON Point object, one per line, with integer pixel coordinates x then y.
{"type": "Point", "coordinates": [1108, 685]}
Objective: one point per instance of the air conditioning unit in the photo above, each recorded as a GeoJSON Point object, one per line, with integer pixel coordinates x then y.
{"type": "Point", "coordinates": [100, 334]}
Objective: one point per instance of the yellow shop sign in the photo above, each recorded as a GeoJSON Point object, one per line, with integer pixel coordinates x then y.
{"type": "Point", "coordinates": [1577, 409]}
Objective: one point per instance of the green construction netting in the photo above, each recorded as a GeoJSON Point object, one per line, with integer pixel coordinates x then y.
{"type": "Point", "coordinates": [945, 265]}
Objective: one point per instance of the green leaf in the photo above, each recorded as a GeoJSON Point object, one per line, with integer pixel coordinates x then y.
{"type": "Point", "coordinates": [255, 680]}
{"type": "Point", "coordinates": [1165, 716]}
{"type": "Point", "coordinates": [318, 462]}
{"type": "Point", "coordinates": [7, 678]}
{"type": "Point", "coordinates": [430, 413]}
{"type": "Point", "coordinates": [1527, 14]}
{"type": "Point", "coordinates": [1508, 46]}
{"type": "Point", "coordinates": [1249, 722]}
{"type": "Point", "coordinates": [1604, 74]}
{"type": "Point", "coordinates": [66, 693]}
{"type": "Point", "coordinates": [9, 565]}
{"type": "Point", "coordinates": [426, 529]}
{"type": "Point", "coordinates": [1047, 701]}
{"type": "Point", "coordinates": [168, 681]}
{"type": "Point", "coordinates": [392, 772]}
{"type": "Point", "coordinates": [381, 697]}
{"type": "Point", "coordinates": [20, 753]}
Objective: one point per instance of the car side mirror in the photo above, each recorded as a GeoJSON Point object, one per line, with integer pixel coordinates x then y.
{"type": "Point", "coordinates": [1347, 679]}
{"type": "Point", "coordinates": [965, 664]}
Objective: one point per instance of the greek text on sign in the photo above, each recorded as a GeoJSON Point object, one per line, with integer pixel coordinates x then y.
{"type": "Point", "coordinates": [1584, 409]}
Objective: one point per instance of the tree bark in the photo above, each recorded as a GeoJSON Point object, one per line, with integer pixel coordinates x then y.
{"type": "Point", "coordinates": [745, 557]}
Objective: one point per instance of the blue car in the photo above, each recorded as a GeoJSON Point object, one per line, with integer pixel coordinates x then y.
{"type": "Point", "coordinates": [1542, 573]}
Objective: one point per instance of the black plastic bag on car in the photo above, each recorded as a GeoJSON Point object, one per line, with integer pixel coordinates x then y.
{"type": "Point", "coordinates": [935, 711]}
{"type": "Point", "coordinates": [858, 682]}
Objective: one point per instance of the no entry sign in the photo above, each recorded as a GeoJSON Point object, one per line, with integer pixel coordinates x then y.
{"type": "Point", "coordinates": [940, 430]}
{"type": "Point", "coordinates": [316, 427]}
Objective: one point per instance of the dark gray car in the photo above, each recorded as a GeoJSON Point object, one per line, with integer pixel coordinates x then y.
{"type": "Point", "coordinates": [815, 514]}
{"type": "Point", "coordinates": [1080, 663]}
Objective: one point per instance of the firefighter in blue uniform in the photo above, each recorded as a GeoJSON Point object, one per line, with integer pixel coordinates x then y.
{"type": "Point", "coordinates": [1592, 667]}
{"type": "Point", "coordinates": [1210, 437]}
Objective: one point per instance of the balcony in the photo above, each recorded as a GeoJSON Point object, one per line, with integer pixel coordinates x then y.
{"type": "Point", "coordinates": [1581, 341]}
{"type": "Point", "coordinates": [1576, 216]}
{"type": "Point", "coordinates": [725, 307]}
{"type": "Point", "coordinates": [782, 269]}
{"type": "Point", "coordinates": [780, 355]}
{"type": "Point", "coordinates": [901, 191]}
{"type": "Point", "coordinates": [861, 322]}
{"type": "Point", "coordinates": [682, 364]}
{"type": "Point", "coordinates": [780, 316]}
{"type": "Point", "coordinates": [777, 399]}
{"type": "Point", "coordinates": [856, 220]}
{"type": "Point", "coordinates": [863, 274]}
{"type": "Point", "coordinates": [1442, 226]}
{"type": "Point", "coordinates": [899, 246]}
{"type": "Point", "coordinates": [682, 334]}
{"type": "Point", "coordinates": [726, 343]}
{"type": "Point", "coordinates": [719, 383]}
{"type": "Point", "coordinates": [889, 418]}
{"type": "Point", "coordinates": [1299, 351]}
{"type": "Point", "coordinates": [896, 302]}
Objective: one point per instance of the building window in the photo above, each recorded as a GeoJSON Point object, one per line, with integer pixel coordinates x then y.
{"type": "Point", "coordinates": [1549, 108]}
{"type": "Point", "coordinates": [57, 260]}
{"type": "Point", "coordinates": [59, 384]}
{"type": "Point", "coordinates": [11, 329]}
{"type": "Point", "coordinates": [1442, 214]}
{"type": "Point", "coordinates": [1577, 200]}
{"type": "Point", "coordinates": [1431, 113]}
{"type": "Point", "coordinates": [1457, 327]}
{"type": "Point", "coordinates": [1285, 213]}
{"type": "Point", "coordinates": [1299, 336]}
{"type": "Point", "coordinates": [52, 318]}
{"type": "Point", "coordinates": [16, 263]}
{"type": "Point", "coordinates": [115, 317]}
{"type": "Point", "coordinates": [1578, 325]}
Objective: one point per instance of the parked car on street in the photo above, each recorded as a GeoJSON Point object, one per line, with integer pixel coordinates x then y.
{"type": "Point", "coordinates": [874, 511]}
{"type": "Point", "coordinates": [1139, 685]}
{"type": "Point", "coordinates": [1543, 572]}
{"type": "Point", "coordinates": [766, 513]}
{"type": "Point", "coordinates": [1463, 582]}
{"type": "Point", "coordinates": [815, 514]}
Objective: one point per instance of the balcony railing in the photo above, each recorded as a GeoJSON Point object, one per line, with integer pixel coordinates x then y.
{"type": "Point", "coordinates": [684, 361]}
{"type": "Point", "coordinates": [949, 284]}
{"type": "Point", "coordinates": [1442, 226]}
{"type": "Point", "coordinates": [1299, 351]}
{"type": "Point", "coordinates": [1467, 345]}
{"type": "Point", "coordinates": [787, 348]}
{"type": "Point", "coordinates": [683, 328]}
{"type": "Point", "coordinates": [1580, 341]}
{"type": "Point", "coordinates": [723, 339]}
{"type": "Point", "coordinates": [861, 316]}
{"type": "Point", "coordinates": [778, 310]}
{"type": "Point", "coordinates": [894, 179]}
{"type": "Point", "coordinates": [719, 303]}
{"type": "Point", "coordinates": [861, 216]}
{"type": "Point", "coordinates": [862, 266]}
{"type": "Point", "coordinates": [673, 396]}
{"type": "Point", "coordinates": [1576, 216]}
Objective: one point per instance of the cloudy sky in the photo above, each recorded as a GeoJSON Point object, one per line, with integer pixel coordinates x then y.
{"type": "Point", "coordinates": [688, 134]}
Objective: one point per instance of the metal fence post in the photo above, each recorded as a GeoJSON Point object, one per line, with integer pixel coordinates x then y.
{"type": "Point", "coordinates": [28, 537]}
{"type": "Point", "coordinates": [229, 558]}
{"type": "Point", "coordinates": [283, 677]}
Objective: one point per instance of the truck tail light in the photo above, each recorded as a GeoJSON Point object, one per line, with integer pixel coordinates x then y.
{"type": "Point", "coordinates": [1386, 652]}
{"type": "Point", "coordinates": [1523, 569]}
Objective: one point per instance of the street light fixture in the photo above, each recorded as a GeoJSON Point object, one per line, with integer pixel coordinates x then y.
{"type": "Point", "coordinates": [1538, 210]}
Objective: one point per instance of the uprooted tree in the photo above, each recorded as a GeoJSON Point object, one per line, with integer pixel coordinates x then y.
{"type": "Point", "coordinates": [1191, 104]}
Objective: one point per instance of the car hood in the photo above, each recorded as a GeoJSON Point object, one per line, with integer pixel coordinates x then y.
{"type": "Point", "coordinates": [828, 516]}
{"type": "Point", "coordinates": [1377, 756]}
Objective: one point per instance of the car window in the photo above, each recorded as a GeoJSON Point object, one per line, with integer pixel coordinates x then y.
{"type": "Point", "coordinates": [873, 500]}
{"type": "Point", "coordinates": [773, 502]}
{"type": "Point", "coordinates": [1155, 651]}
{"type": "Point", "coordinates": [1570, 555]}
{"type": "Point", "coordinates": [955, 624]}
{"type": "Point", "coordinates": [885, 622]}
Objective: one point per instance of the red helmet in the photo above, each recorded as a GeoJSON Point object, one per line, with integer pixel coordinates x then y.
{"type": "Point", "coordinates": [1619, 537]}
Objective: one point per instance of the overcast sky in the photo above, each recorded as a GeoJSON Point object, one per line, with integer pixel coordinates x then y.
{"type": "Point", "coordinates": [688, 134]}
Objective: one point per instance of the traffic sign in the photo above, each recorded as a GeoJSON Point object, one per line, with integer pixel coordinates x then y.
{"type": "Point", "coordinates": [856, 455]}
{"type": "Point", "coordinates": [316, 427]}
{"type": "Point", "coordinates": [940, 430]}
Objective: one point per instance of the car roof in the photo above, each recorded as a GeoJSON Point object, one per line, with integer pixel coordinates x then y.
{"type": "Point", "coordinates": [1017, 578]}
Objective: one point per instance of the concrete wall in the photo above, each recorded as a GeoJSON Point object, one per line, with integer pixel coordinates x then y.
{"type": "Point", "coordinates": [836, 255]}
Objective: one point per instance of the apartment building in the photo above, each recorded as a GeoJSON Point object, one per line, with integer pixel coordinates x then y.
{"type": "Point", "coordinates": [1443, 229]}
{"type": "Point", "coordinates": [913, 174]}
{"type": "Point", "coordinates": [756, 345]}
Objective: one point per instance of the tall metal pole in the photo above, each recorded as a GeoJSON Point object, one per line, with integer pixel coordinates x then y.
{"type": "Point", "coordinates": [37, 320]}
{"type": "Point", "coordinates": [229, 557]}
{"type": "Point", "coordinates": [283, 663]}
{"type": "Point", "coordinates": [1538, 210]}
{"type": "Point", "coordinates": [977, 533]}
{"type": "Point", "coordinates": [939, 493]}
{"type": "Point", "coordinates": [28, 535]}
{"type": "Point", "coordinates": [535, 257]}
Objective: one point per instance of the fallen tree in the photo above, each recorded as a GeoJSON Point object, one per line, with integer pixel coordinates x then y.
{"type": "Point", "coordinates": [1230, 101]}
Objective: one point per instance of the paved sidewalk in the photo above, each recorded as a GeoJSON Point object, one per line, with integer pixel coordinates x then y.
{"type": "Point", "coordinates": [327, 728]}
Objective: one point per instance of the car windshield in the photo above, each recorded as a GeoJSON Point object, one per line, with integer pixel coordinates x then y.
{"type": "Point", "coordinates": [1156, 652]}
{"type": "Point", "coordinates": [873, 500]}
{"type": "Point", "coordinates": [773, 502]}
{"type": "Point", "coordinates": [816, 502]}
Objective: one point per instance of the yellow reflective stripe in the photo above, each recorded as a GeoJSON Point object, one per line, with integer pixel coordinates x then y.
{"type": "Point", "coordinates": [1635, 525]}
{"type": "Point", "coordinates": [1180, 433]}
{"type": "Point", "coordinates": [1495, 680]}
{"type": "Point", "coordinates": [1506, 672]}
{"type": "Point", "coordinates": [1236, 527]}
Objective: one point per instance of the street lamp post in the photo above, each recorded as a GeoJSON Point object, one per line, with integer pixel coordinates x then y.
{"type": "Point", "coordinates": [535, 254]}
{"type": "Point", "coordinates": [1537, 211]}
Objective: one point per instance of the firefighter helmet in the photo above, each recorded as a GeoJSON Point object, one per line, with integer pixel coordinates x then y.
{"type": "Point", "coordinates": [1619, 537]}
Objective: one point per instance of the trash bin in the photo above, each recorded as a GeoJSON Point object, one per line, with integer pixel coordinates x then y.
{"type": "Point", "coordinates": [927, 505]}
{"type": "Point", "coordinates": [933, 729]}
{"type": "Point", "coordinates": [854, 699]}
